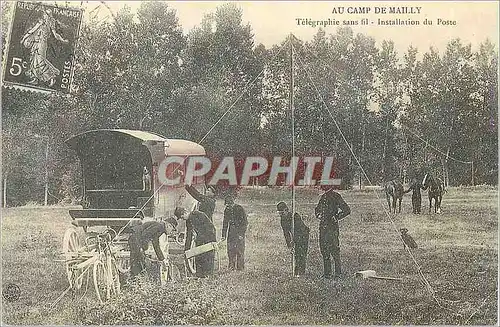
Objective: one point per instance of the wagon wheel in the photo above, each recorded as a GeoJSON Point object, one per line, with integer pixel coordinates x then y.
{"type": "Point", "coordinates": [164, 274]}
{"type": "Point", "coordinates": [123, 264]}
{"type": "Point", "coordinates": [190, 263]}
{"type": "Point", "coordinates": [174, 274]}
{"type": "Point", "coordinates": [180, 238]}
{"type": "Point", "coordinates": [217, 254]}
{"type": "Point", "coordinates": [114, 277]}
{"type": "Point", "coordinates": [101, 285]}
{"type": "Point", "coordinates": [106, 279]}
{"type": "Point", "coordinates": [71, 246]}
{"type": "Point", "coordinates": [170, 273]}
{"type": "Point", "coordinates": [164, 246]}
{"type": "Point", "coordinates": [122, 258]}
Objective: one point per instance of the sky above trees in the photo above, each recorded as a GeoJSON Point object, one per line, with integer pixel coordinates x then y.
{"type": "Point", "coordinates": [272, 21]}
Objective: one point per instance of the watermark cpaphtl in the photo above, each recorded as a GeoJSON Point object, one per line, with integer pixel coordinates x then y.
{"type": "Point", "coordinates": [284, 171]}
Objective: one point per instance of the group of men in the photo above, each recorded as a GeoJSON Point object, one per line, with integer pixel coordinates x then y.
{"type": "Point", "coordinates": [200, 223]}
{"type": "Point", "coordinates": [330, 209]}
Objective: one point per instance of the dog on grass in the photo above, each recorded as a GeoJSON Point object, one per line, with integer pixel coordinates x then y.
{"type": "Point", "coordinates": [408, 241]}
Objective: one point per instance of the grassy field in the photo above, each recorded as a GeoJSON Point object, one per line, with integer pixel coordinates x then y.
{"type": "Point", "coordinates": [457, 254]}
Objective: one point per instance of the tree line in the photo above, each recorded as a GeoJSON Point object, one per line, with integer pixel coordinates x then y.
{"type": "Point", "coordinates": [395, 115]}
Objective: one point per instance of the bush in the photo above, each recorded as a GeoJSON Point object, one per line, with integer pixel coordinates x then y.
{"type": "Point", "coordinates": [145, 303]}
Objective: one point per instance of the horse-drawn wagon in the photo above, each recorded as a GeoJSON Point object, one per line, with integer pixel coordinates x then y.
{"type": "Point", "coordinates": [121, 187]}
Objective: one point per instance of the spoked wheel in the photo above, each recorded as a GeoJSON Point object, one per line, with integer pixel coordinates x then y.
{"type": "Point", "coordinates": [217, 255]}
{"type": "Point", "coordinates": [71, 246]}
{"type": "Point", "coordinates": [174, 273]}
{"type": "Point", "coordinates": [100, 281]}
{"type": "Point", "coordinates": [180, 238]}
{"type": "Point", "coordinates": [190, 263]}
{"type": "Point", "coordinates": [122, 256]}
{"type": "Point", "coordinates": [106, 279]}
{"type": "Point", "coordinates": [114, 277]}
{"type": "Point", "coordinates": [164, 274]}
{"type": "Point", "coordinates": [123, 264]}
{"type": "Point", "coordinates": [169, 273]}
{"type": "Point", "coordinates": [164, 246]}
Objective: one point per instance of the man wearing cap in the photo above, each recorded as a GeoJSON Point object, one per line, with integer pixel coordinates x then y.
{"type": "Point", "coordinates": [234, 227]}
{"type": "Point", "coordinates": [330, 210]}
{"type": "Point", "coordinates": [300, 241]}
{"type": "Point", "coordinates": [138, 243]}
{"type": "Point", "coordinates": [206, 201]}
{"type": "Point", "coordinates": [198, 222]}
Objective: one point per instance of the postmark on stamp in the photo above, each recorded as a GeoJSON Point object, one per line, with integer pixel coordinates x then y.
{"type": "Point", "coordinates": [41, 47]}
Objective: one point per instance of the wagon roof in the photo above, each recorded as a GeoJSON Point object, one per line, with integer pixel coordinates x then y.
{"type": "Point", "coordinates": [183, 147]}
{"type": "Point", "coordinates": [172, 146]}
{"type": "Point", "coordinates": [143, 136]}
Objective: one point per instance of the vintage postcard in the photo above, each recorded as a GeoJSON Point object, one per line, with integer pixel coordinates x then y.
{"type": "Point", "coordinates": [249, 163]}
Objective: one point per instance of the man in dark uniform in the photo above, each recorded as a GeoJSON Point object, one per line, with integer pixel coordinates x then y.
{"type": "Point", "coordinates": [138, 242]}
{"type": "Point", "coordinates": [234, 227]}
{"type": "Point", "coordinates": [300, 241]}
{"type": "Point", "coordinates": [206, 201]}
{"type": "Point", "coordinates": [416, 197]}
{"type": "Point", "coordinates": [197, 222]}
{"type": "Point", "coordinates": [330, 209]}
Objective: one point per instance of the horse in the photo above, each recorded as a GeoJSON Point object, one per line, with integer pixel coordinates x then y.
{"type": "Point", "coordinates": [436, 190]}
{"type": "Point", "coordinates": [394, 191]}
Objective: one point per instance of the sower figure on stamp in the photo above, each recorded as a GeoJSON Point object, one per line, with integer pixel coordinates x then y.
{"type": "Point", "coordinates": [198, 223]}
{"type": "Point", "coordinates": [206, 201]}
{"type": "Point", "coordinates": [138, 242]}
{"type": "Point", "coordinates": [416, 197]}
{"type": "Point", "coordinates": [300, 241]}
{"type": "Point", "coordinates": [330, 209]}
{"type": "Point", "coordinates": [37, 41]}
{"type": "Point", "coordinates": [234, 227]}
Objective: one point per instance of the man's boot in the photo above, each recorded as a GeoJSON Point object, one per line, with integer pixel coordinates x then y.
{"type": "Point", "coordinates": [327, 268]}
{"type": "Point", "coordinates": [338, 269]}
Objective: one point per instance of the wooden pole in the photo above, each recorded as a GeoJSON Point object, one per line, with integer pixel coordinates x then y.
{"type": "Point", "coordinates": [292, 111]}
{"type": "Point", "coordinates": [385, 146]}
{"type": "Point", "coordinates": [472, 173]}
{"type": "Point", "coordinates": [361, 155]}
{"type": "Point", "coordinates": [46, 173]}
{"type": "Point", "coordinates": [5, 192]}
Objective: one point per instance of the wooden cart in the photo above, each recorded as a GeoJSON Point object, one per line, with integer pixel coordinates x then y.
{"type": "Point", "coordinates": [121, 188]}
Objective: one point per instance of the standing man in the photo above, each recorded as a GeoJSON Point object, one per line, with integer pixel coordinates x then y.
{"type": "Point", "coordinates": [234, 227]}
{"type": "Point", "coordinates": [198, 222]}
{"type": "Point", "coordinates": [206, 201]}
{"type": "Point", "coordinates": [138, 243]}
{"type": "Point", "coordinates": [300, 240]}
{"type": "Point", "coordinates": [330, 210]}
{"type": "Point", "coordinates": [416, 196]}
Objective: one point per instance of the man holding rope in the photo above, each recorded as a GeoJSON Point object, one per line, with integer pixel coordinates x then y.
{"type": "Point", "coordinates": [299, 243]}
{"type": "Point", "coordinates": [206, 201]}
{"type": "Point", "coordinates": [234, 227]}
{"type": "Point", "coordinates": [330, 210]}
